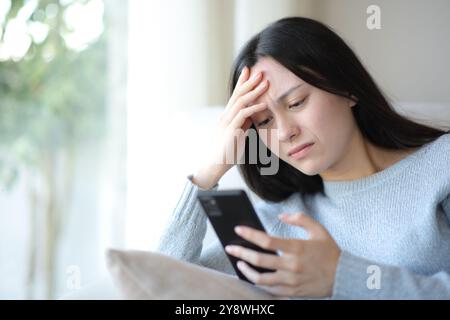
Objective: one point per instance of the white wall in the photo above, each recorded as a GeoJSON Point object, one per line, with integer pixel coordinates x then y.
{"type": "Point", "coordinates": [408, 56]}
{"type": "Point", "coordinates": [251, 16]}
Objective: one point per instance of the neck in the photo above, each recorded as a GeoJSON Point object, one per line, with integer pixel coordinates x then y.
{"type": "Point", "coordinates": [362, 159]}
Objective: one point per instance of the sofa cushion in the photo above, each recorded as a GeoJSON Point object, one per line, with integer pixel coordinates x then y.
{"type": "Point", "coordinates": [149, 275]}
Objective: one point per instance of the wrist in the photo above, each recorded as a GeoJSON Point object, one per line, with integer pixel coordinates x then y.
{"type": "Point", "coordinates": [207, 177]}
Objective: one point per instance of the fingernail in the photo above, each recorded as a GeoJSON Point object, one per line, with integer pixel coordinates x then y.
{"type": "Point", "coordinates": [238, 230]}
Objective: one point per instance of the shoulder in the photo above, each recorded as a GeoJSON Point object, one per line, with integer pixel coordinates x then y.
{"type": "Point", "coordinates": [439, 149]}
{"type": "Point", "coordinates": [432, 167]}
{"type": "Point", "coordinates": [443, 141]}
{"type": "Point", "coordinates": [435, 156]}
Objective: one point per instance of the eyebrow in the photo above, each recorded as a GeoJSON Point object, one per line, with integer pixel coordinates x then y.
{"type": "Point", "coordinates": [284, 95]}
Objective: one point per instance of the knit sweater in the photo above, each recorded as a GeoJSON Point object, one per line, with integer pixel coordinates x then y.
{"type": "Point", "coordinates": [393, 228]}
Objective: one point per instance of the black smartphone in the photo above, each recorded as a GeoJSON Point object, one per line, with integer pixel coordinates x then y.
{"type": "Point", "coordinates": [225, 210]}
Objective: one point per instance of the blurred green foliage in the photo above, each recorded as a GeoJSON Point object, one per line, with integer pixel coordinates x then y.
{"type": "Point", "coordinates": [51, 98]}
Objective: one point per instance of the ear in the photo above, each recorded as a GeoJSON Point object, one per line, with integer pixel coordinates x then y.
{"type": "Point", "coordinates": [352, 101]}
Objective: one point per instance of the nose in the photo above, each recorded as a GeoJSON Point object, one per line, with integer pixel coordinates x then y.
{"type": "Point", "coordinates": [287, 129]}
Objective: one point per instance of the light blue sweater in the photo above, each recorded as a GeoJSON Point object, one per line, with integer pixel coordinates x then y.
{"type": "Point", "coordinates": [394, 224]}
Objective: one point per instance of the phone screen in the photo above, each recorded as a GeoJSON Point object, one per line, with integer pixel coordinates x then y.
{"type": "Point", "coordinates": [225, 210]}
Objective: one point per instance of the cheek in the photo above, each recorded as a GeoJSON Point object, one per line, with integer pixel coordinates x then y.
{"type": "Point", "coordinates": [333, 125]}
{"type": "Point", "coordinates": [329, 118]}
{"type": "Point", "coordinates": [270, 139]}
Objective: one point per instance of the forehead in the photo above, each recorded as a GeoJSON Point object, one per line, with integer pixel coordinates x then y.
{"type": "Point", "coordinates": [280, 78]}
{"type": "Point", "coordinates": [274, 71]}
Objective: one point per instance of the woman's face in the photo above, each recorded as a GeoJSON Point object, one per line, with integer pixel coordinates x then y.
{"type": "Point", "coordinates": [306, 115]}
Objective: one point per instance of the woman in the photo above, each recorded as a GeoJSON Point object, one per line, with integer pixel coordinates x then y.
{"type": "Point", "coordinates": [365, 207]}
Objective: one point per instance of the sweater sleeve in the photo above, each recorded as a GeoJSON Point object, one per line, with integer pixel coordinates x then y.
{"type": "Point", "coordinates": [446, 207]}
{"type": "Point", "coordinates": [185, 231]}
{"type": "Point", "coordinates": [358, 278]}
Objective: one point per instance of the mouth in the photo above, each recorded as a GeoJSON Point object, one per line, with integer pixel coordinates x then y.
{"type": "Point", "coordinates": [300, 151]}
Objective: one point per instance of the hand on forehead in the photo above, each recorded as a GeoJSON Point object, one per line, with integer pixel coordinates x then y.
{"type": "Point", "coordinates": [280, 79]}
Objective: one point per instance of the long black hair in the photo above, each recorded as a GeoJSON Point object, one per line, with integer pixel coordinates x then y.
{"type": "Point", "coordinates": [317, 55]}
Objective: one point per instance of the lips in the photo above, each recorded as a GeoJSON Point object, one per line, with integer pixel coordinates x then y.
{"type": "Point", "coordinates": [297, 149]}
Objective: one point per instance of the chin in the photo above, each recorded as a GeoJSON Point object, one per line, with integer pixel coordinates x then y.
{"type": "Point", "coordinates": [308, 169]}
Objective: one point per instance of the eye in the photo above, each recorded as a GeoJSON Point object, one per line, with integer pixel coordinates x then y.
{"type": "Point", "coordinates": [296, 104]}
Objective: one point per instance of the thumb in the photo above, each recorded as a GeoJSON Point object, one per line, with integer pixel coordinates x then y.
{"type": "Point", "coordinates": [303, 220]}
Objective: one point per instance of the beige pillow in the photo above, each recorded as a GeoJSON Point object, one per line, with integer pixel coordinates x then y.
{"type": "Point", "coordinates": [149, 275]}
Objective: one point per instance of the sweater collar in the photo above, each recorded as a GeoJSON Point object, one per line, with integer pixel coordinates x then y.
{"type": "Point", "coordinates": [338, 189]}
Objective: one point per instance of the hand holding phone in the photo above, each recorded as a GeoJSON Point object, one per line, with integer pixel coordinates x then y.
{"type": "Point", "coordinates": [227, 209]}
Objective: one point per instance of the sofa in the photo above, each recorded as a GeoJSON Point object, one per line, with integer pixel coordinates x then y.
{"type": "Point", "coordinates": [435, 114]}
